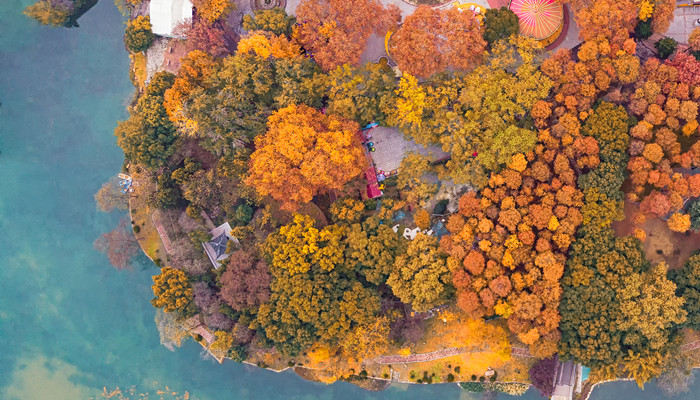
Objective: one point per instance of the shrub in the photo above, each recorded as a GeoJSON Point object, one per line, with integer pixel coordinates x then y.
{"type": "Point", "coordinates": [473, 387]}
{"type": "Point", "coordinates": [138, 36]}
{"type": "Point", "coordinates": [244, 213]}
{"type": "Point", "coordinates": [473, 377]}
{"type": "Point", "coordinates": [666, 47]}
{"type": "Point", "coordinates": [457, 369]}
{"type": "Point", "coordinates": [500, 24]}
{"type": "Point", "coordinates": [482, 379]}
{"type": "Point", "coordinates": [511, 388]}
{"type": "Point", "coordinates": [137, 229]}
{"type": "Point", "coordinates": [385, 375]}
{"type": "Point", "coordinates": [440, 207]}
{"type": "Point", "coordinates": [370, 204]}
{"type": "Point", "coordinates": [450, 378]}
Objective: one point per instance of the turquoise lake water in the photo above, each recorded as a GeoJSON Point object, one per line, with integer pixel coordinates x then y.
{"type": "Point", "coordinates": [70, 324]}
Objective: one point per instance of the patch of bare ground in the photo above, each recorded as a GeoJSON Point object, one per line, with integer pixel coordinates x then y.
{"type": "Point", "coordinates": [661, 244]}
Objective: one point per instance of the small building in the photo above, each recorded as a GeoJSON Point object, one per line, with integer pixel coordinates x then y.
{"type": "Point", "coordinates": [216, 248]}
{"type": "Point", "coordinates": [167, 14]}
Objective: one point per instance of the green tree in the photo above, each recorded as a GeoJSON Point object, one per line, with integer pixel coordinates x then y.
{"type": "Point", "coordinates": [687, 280]}
{"type": "Point", "coordinates": [361, 94]}
{"type": "Point", "coordinates": [643, 29]}
{"type": "Point", "coordinates": [694, 211]}
{"type": "Point", "coordinates": [231, 104]}
{"type": "Point", "coordinates": [48, 13]}
{"type": "Point", "coordinates": [139, 36]}
{"type": "Point", "coordinates": [172, 291]}
{"type": "Point", "coordinates": [420, 276]}
{"type": "Point", "coordinates": [666, 47]}
{"type": "Point", "coordinates": [147, 137]}
{"type": "Point", "coordinates": [274, 20]}
{"type": "Point", "coordinates": [500, 23]}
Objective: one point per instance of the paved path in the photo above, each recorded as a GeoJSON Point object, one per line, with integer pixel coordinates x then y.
{"type": "Point", "coordinates": [452, 351]}
{"type": "Point", "coordinates": [691, 346]}
{"type": "Point", "coordinates": [413, 358]}
{"type": "Point", "coordinates": [683, 22]}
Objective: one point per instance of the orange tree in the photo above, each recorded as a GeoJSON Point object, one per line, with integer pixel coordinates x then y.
{"type": "Point", "coordinates": [431, 40]}
{"type": "Point", "coordinates": [303, 153]}
{"type": "Point", "coordinates": [664, 144]}
{"type": "Point", "coordinates": [335, 32]}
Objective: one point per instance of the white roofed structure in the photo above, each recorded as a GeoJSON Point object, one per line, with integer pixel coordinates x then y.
{"type": "Point", "coordinates": [166, 14]}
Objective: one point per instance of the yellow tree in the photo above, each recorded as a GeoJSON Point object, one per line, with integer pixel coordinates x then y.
{"type": "Point", "coordinates": [420, 276]}
{"type": "Point", "coordinates": [213, 10]}
{"type": "Point", "coordinates": [266, 45]}
{"type": "Point", "coordinates": [303, 153]}
{"type": "Point", "coordinates": [172, 290]}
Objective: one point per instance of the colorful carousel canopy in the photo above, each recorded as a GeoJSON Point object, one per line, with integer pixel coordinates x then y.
{"type": "Point", "coordinates": [539, 19]}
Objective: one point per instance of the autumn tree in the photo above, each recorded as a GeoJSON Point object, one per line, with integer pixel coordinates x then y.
{"type": "Point", "coordinates": [172, 333]}
{"type": "Point", "coordinates": [274, 20]}
{"type": "Point", "coordinates": [347, 210]}
{"type": "Point", "coordinates": [304, 153]}
{"type": "Point", "coordinates": [222, 344]}
{"type": "Point", "coordinates": [606, 19]}
{"type": "Point", "coordinates": [694, 39]}
{"type": "Point", "coordinates": [361, 94]}
{"type": "Point", "coordinates": [420, 276]}
{"type": "Point", "coordinates": [246, 281]}
{"type": "Point", "coordinates": [415, 178]}
{"type": "Point", "coordinates": [542, 374]}
{"type": "Point", "coordinates": [138, 36]}
{"type": "Point", "coordinates": [213, 10]}
{"type": "Point", "coordinates": [679, 222]}
{"type": "Point", "coordinates": [314, 297]}
{"type": "Point", "coordinates": [172, 291]}
{"type": "Point", "coordinates": [119, 245]}
{"type": "Point", "coordinates": [500, 23]}
{"type": "Point", "coordinates": [677, 374]}
{"type": "Point", "coordinates": [431, 40]}
{"type": "Point", "coordinates": [51, 12]}
{"type": "Point", "coordinates": [335, 32]}
{"type": "Point", "coordinates": [203, 36]}
{"type": "Point", "coordinates": [372, 248]}
{"type": "Point", "coordinates": [110, 196]}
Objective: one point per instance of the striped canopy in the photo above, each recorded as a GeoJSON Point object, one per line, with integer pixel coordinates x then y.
{"type": "Point", "coordinates": [539, 19]}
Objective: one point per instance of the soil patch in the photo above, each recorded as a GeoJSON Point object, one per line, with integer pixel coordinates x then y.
{"type": "Point", "coordinates": [661, 244]}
